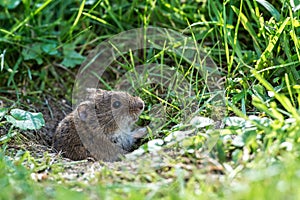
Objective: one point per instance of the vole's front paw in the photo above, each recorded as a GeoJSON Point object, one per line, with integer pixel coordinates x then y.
{"type": "Point", "coordinates": [140, 133]}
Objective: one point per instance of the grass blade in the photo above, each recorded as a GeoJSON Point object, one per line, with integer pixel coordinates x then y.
{"type": "Point", "coordinates": [270, 8]}
{"type": "Point", "coordinates": [271, 45]}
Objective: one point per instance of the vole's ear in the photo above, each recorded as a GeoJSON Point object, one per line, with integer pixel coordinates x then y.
{"type": "Point", "coordinates": [82, 110]}
{"type": "Point", "coordinates": [92, 92]}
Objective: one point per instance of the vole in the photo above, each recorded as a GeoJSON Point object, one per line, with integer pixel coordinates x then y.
{"type": "Point", "coordinates": [100, 127]}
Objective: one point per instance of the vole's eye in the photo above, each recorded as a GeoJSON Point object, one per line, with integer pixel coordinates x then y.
{"type": "Point", "coordinates": [117, 104]}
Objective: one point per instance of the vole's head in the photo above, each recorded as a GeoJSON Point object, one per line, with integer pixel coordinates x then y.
{"type": "Point", "coordinates": [118, 109]}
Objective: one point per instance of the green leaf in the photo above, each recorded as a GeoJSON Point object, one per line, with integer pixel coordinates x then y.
{"type": "Point", "coordinates": [270, 8]}
{"type": "Point", "coordinates": [10, 4]}
{"type": "Point", "coordinates": [272, 43]}
{"type": "Point", "coordinates": [284, 101]}
{"type": "Point", "coordinates": [260, 91]}
{"type": "Point", "coordinates": [3, 112]}
{"type": "Point", "coordinates": [25, 120]}
{"type": "Point", "coordinates": [238, 141]}
{"type": "Point", "coordinates": [295, 5]}
{"type": "Point", "coordinates": [71, 57]}
{"type": "Point", "coordinates": [248, 26]}
{"type": "Point", "coordinates": [260, 105]}
{"type": "Point", "coordinates": [33, 53]}
{"type": "Point", "coordinates": [235, 121]}
{"type": "Point", "coordinates": [50, 49]}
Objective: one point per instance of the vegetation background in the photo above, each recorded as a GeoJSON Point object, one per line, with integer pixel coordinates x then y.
{"type": "Point", "coordinates": [255, 43]}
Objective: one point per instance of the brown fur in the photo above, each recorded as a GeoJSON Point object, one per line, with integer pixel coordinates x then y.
{"type": "Point", "coordinates": [100, 127]}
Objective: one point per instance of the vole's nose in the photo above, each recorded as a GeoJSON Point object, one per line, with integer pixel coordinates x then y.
{"type": "Point", "coordinates": [140, 105]}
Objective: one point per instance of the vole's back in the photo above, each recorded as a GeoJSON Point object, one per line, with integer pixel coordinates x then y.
{"type": "Point", "coordinates": [68, 141]}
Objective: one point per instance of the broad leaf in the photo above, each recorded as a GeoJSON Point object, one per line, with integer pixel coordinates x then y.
{"type": "Point", "coordinates": [50, 49]}
{"type": "Point", "coordinates": [71, 57]}
{"type": "Point", "coordinates": [25, 120]}
{"type": "Point", "coordinates": [33, 53]}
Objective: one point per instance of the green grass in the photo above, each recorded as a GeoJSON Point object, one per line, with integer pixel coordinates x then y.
{"type": "Point", "coordinates": [254, 44]}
